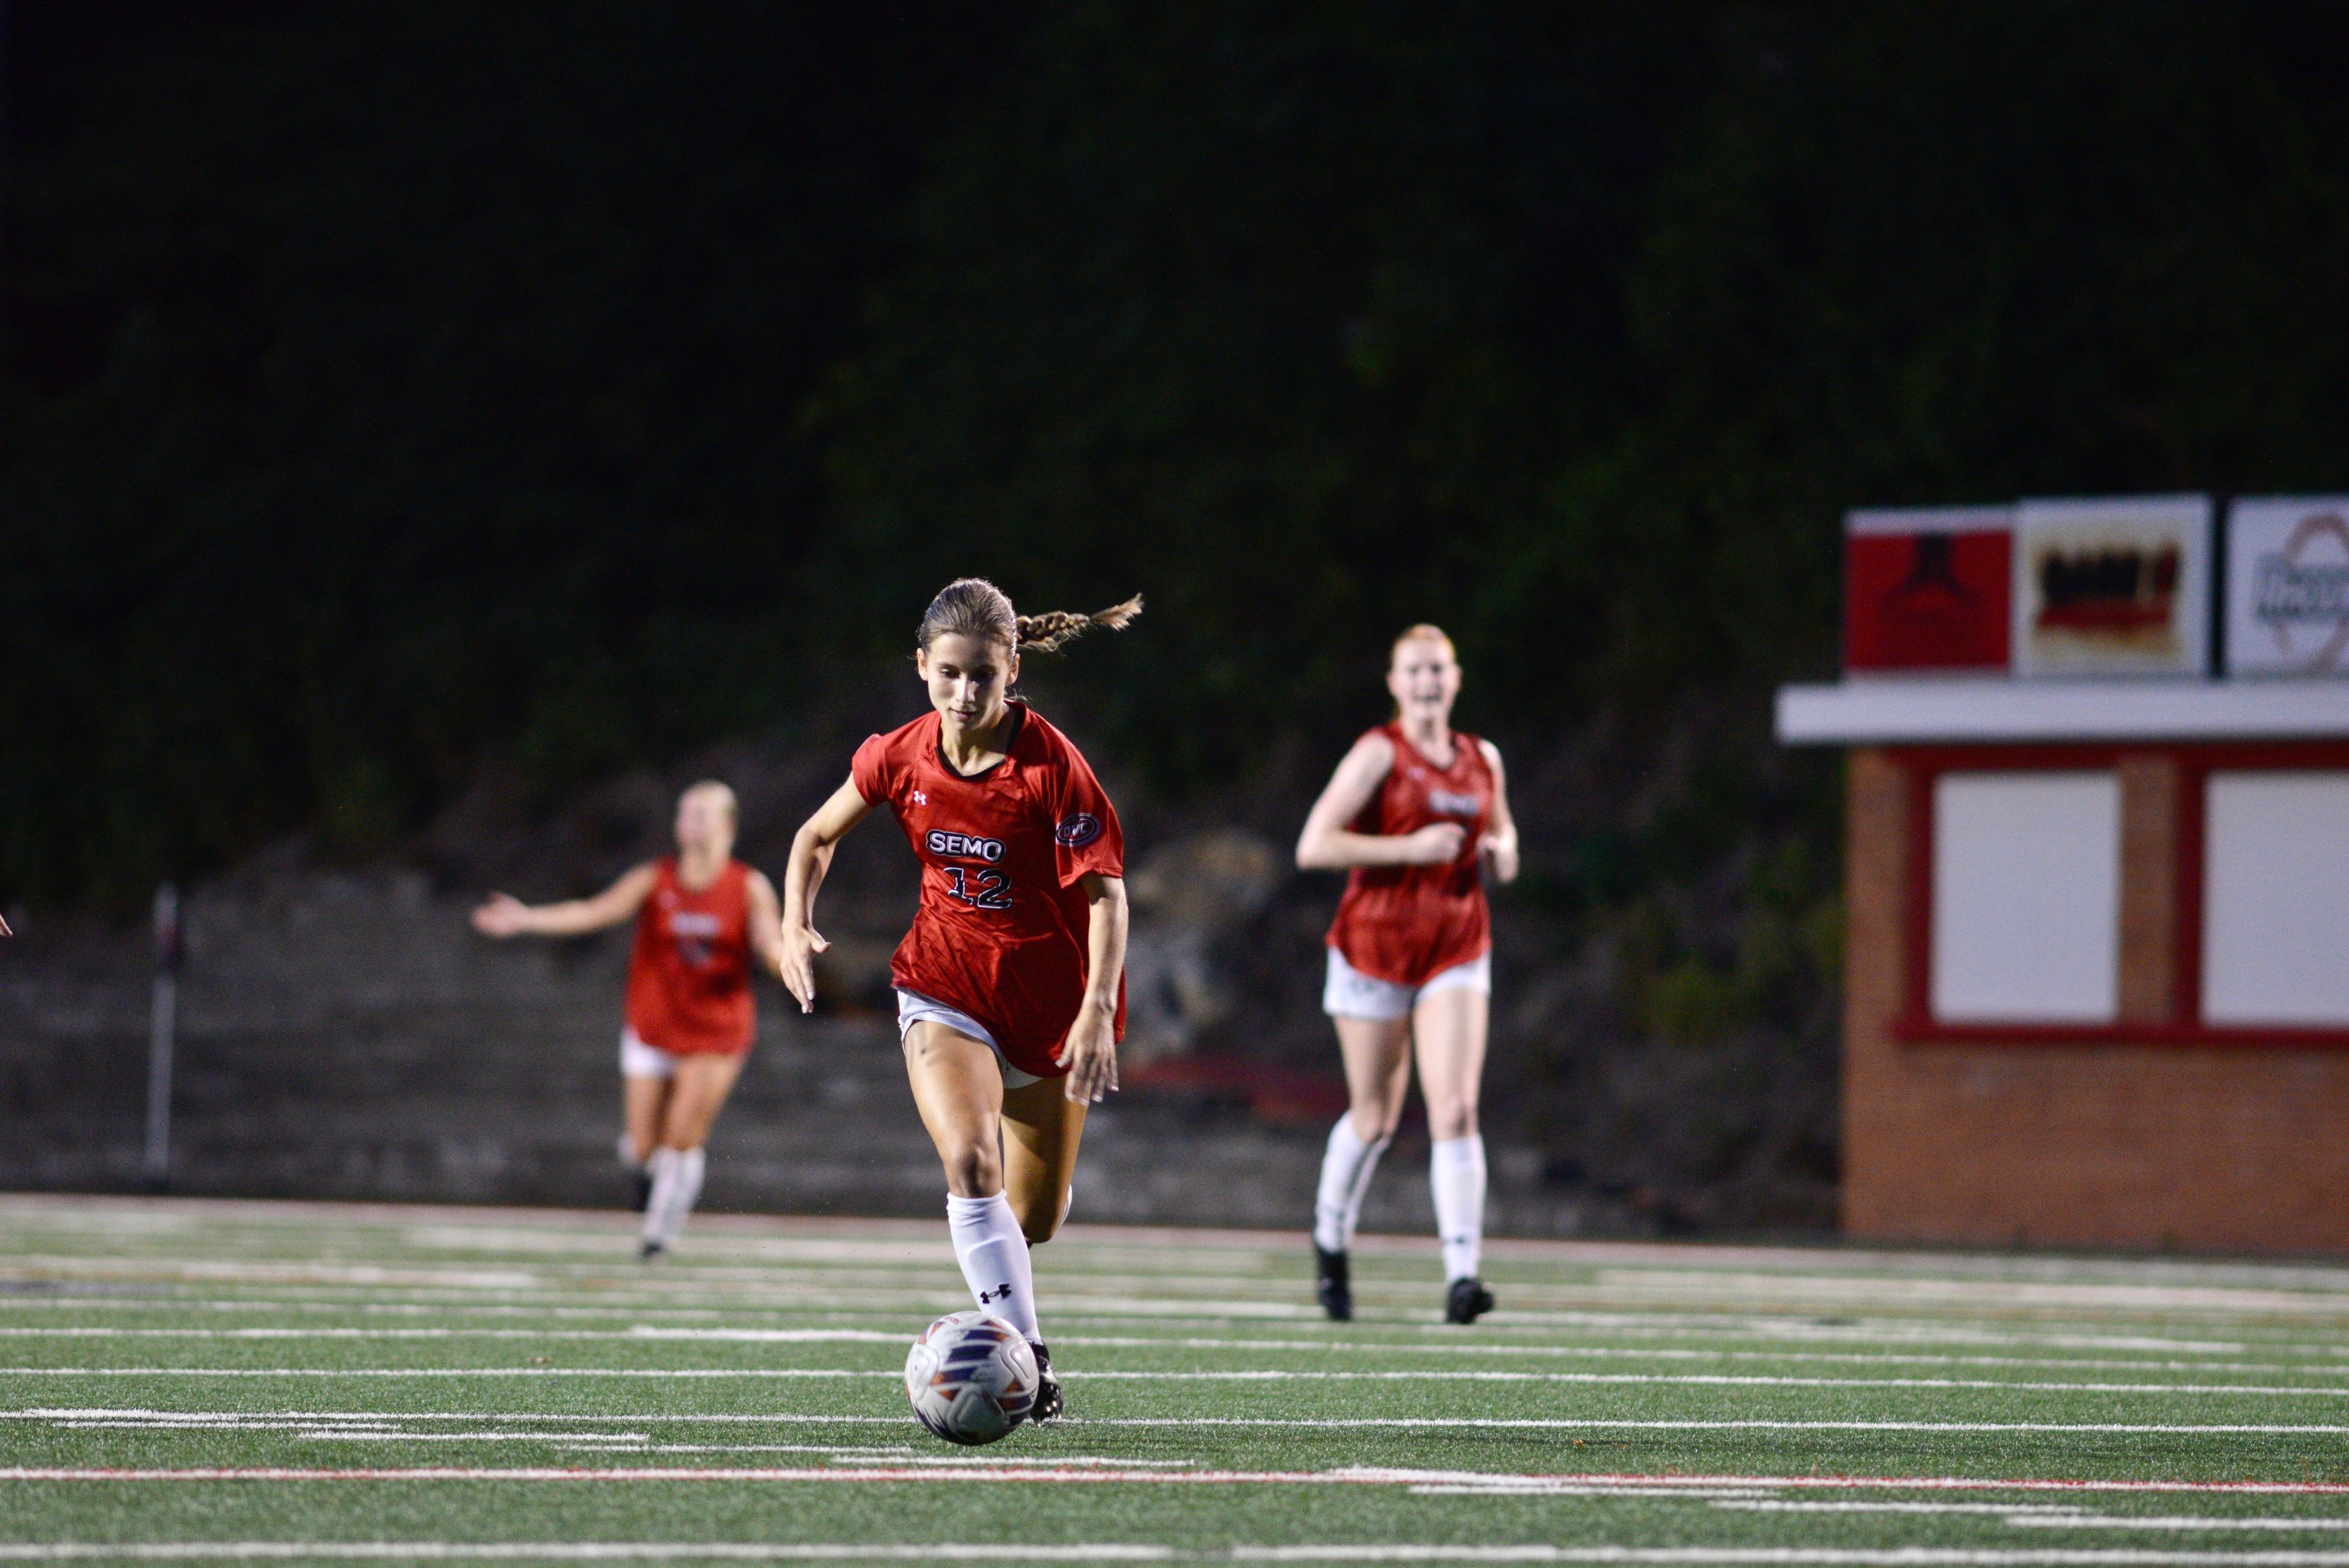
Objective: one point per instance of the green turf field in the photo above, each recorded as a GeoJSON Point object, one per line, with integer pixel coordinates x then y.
{"type": "Point", "coordinates": [190, 1380]}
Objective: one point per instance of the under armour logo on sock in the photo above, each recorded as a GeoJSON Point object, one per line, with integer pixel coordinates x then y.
{"type": "Point", "coordinates": [1000, 1293]}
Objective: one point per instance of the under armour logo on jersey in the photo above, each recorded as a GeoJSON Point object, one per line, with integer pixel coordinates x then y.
{"type": "Point", "coordinates": [919, 798]}
{"type": "Point", "coordinates": [1077, 830]}
{"type": "Point", "coordinates": [1001, 1292]}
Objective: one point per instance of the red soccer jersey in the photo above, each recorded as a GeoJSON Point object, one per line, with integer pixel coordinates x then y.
{"type": "Point", "coordinates": [1408, 924]}
{"type": "Point", "coordinates": [690, 974]}
{"type": "Point", "coordinates": [1001, 931]}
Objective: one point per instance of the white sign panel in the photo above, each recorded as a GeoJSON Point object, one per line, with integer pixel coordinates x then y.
{"type": "Point", "coordinates": [2113, 587]}
{"type": "Point", "coordinates": [2026, 897]}
{"type": "Point", "coordinates": [2276, 919]}
{"type": "Point", "coordinates": [2288, 587]}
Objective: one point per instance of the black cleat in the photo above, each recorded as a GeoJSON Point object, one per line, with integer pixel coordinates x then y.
{"type": "Point", "coordinates": [644, 1191]}
{"type": "Point", "coordinates": [1047, 1406]}
{"type": "Point", "coordinates": [652, 1252]}
{"type": "Point", "coordinates": [1332, 1286]}
{"type": "Point", "coordinates": [1468, 1302]}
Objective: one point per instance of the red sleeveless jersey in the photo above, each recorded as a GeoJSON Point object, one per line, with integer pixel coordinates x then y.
{"type": "Point", "coordinates": [690, 974]}
{"type": "Point", "coordinates": [1001, 931]}
{"type": "Point", "coordinates": [1407, 924]}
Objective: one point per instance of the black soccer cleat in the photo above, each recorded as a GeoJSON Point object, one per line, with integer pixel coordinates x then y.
{"type": "Point", "coordinates": [1047, 1406]}
{"type": "Point", "coordinates": [652, 1252]}
{"type": "Point", "coordinates": [1468, 1301]}
{"type": "Point", "coordinates": [1332, 1286]}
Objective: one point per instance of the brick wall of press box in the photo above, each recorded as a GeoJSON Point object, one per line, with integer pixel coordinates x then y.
{"type": "Point", "coordinates": [2115, 1137]}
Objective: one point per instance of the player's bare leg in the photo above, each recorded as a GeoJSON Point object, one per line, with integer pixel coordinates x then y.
{"type": "Point", "coordinates": [1377, 1056]}
{"type": "Point", "coordinates": [958, 1089]}
{"type": "Point", "coordinates": [642, 1102]}
{"type": "Point", "coordinates": [1041, 1129]}
{"type": "Point", "coordinates": [697, 1092]}
{"type": "Point", "coordinates": [1450, 1028]}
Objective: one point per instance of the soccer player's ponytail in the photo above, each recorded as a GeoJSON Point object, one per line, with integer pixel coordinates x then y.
{"type": "Point", "coordinates": [976, 609]}
{"type": "Point", "coordinates": [1043, 633]}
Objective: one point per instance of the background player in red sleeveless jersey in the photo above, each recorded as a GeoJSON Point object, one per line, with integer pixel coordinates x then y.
{"type": "Point", "coordinates": [1011, 983]}
{"type": "Point", "coordinates": [1413, 814]}
{"type": "Point", "coordinates": [700, 916]}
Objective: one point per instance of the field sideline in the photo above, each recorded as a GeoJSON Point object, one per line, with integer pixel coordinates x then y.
{"type": "Point", "coordinates": [191, 1380]}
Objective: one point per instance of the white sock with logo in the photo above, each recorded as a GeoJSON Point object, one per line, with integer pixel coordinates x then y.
{"type": "Point", "coordinates": [677, 1185]}
{"type": "Point", "coordinates": [993, 1253]}
{"type": "Point", "coordinates": [1456, 1170]}
{"type": "Point", "coordinates": [1346, 1167]}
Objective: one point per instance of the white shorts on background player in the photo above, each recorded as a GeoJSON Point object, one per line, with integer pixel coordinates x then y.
{"type": "Point", "coordinates": [638, 1060]}
{"type": "Point", "coordinates": [1351, 994]}
{"type": "Point", "coordinates": [914, 1008]}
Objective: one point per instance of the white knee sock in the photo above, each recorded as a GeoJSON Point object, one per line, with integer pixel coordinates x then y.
{"type": "Point", "coordinates": [1456, 1170]}
{"type": "Point", "coordinates": [1346, 1167]}
{"type": "Point", "coordinates": [993, 1253]}
{"type": "Point", "coordinates": [676, 1184]}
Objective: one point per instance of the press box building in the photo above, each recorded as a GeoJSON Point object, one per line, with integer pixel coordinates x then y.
{"type": "Point", "coordinates": [2096, 976]}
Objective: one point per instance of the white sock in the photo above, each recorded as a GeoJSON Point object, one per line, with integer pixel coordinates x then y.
{"type": "Point", "coordinates": [1346, 1167]}
{"type": "Point", "coordinates": [993, 1253]}
{"type": "Point", "coordinates": [1456, 1170]}
{"type": "Point", "coordinates": [676, 1184]}
{"type": "Point", "coordinates": [628, 1153]}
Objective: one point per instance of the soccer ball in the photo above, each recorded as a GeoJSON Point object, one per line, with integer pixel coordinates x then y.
{"type": "Point", "coordinates": [971, 1378]}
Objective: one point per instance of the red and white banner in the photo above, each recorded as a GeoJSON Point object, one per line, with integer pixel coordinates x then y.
{"type": "Point", "coordinates": [1927, 588]}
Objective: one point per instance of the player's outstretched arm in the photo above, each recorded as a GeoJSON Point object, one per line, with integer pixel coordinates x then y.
{"type": "Point", "coordinates": [812, 850]}
{"type": "Point", "coordinates": [1499, 844]}
{"type": "Point", "coordinates": [766, 924]}
{"type": "Point", "coordinates": [1327, 845]}
{"type": "Point", "coordinates": [1092, 1049]}
{"type": "Point", "coordinates": [501, 915]}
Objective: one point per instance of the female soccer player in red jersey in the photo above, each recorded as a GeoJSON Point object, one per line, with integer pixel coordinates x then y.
{"type": "Point", "coordinates": [1412, 814]}
{"type": "Point", "coordinates": [1011, 983]}
{"type": "Point", "coordinates": [699, 918]}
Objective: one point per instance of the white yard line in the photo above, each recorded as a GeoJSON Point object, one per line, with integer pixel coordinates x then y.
{"type": "Point", "coordinates": [1580, 1380]}
{"type": "Point", "coordinates": [1414, 1423]}
{"type": "Point", "coordinates": [985, 1469]}
{"type": "Point", "coordinates": [573, 1552]}
{"type": "Point", "coordinates": [1121, 1551]}
{"type": "Point", "coordinates": [1797, 1328]}
{"type": "Point", "coordinates": [1794, 1556]}
{"type": "Point", "coordinates": [719, 1336]}
{"type": "Point", "coordinates": [2040, 1516]}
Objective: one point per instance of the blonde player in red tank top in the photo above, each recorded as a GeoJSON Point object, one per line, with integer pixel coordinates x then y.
{"type": "Point", "coordinates": [1011, 983]}
{"type": "Point", "coordinates": [700, 918]}
{"type": "Point", "coordinates": [1415, 814]}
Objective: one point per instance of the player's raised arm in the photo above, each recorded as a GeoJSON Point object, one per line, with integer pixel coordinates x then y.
{"type": "Point", "coordinates": [1499, 844]}
{"type": "Point", "coordinates": [812, 850]}
{"type": "Point", "coordinates": [501, 915]}
{"type": "Point", "coordinates": [1326, 844]}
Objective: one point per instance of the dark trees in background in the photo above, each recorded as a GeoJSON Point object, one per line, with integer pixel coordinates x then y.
{"type": "Point", "coordinates": [399, 391]}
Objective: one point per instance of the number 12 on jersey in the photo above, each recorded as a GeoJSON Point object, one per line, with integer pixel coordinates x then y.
{"type": "Point", "coordinates": [980, 890]}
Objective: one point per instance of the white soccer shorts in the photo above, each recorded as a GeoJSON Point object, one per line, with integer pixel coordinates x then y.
{"type": "Point", "coordinates": [1350, 993]}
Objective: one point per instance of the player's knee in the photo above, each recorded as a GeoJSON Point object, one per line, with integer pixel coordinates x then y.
{"type": "Point", "coordinates": [1451, 1119]}
{"type": "Point", "coordinates": [1041, 1223]}
{"type": "Point", "coordinates": [973, 1170]}
{"type": "Point", "coordinates": [1376, 1123]}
